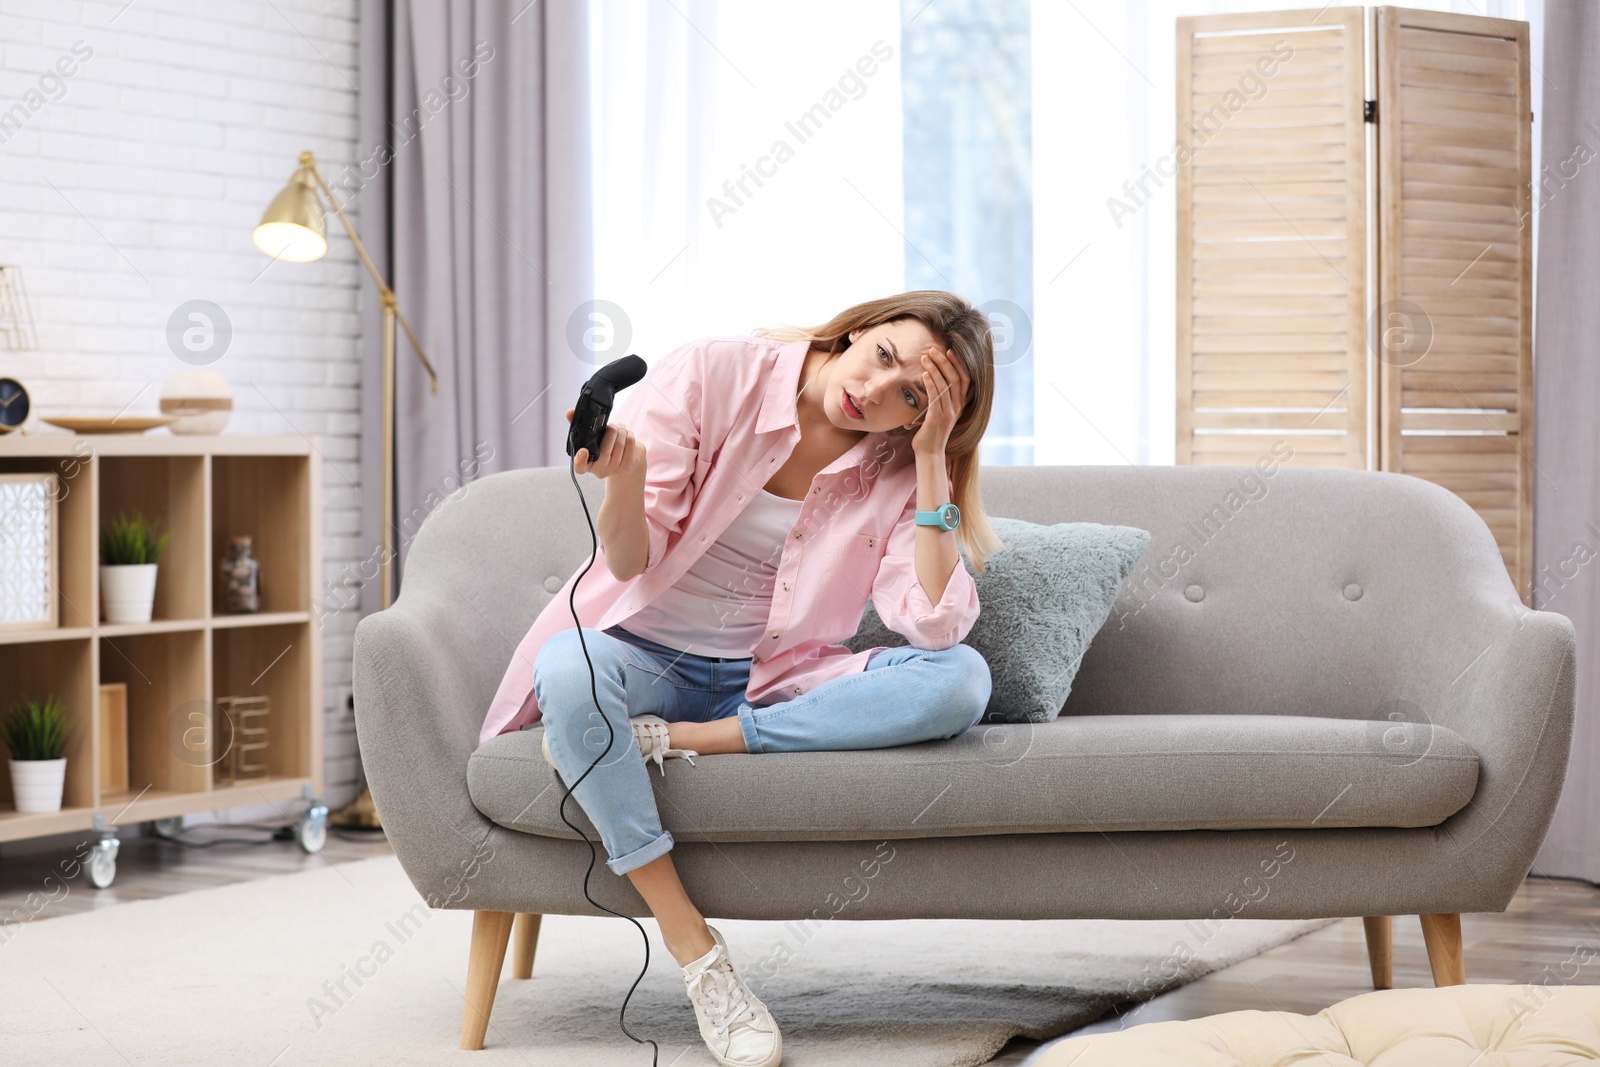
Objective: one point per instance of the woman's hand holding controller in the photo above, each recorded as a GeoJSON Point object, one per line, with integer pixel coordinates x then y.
{"type": "Point", "coordinates": [620, 524]}
{"type": "Point", "coordinates": [620, 453]}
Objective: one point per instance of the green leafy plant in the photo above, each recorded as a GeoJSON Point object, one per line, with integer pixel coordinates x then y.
{"type": "Point", "coordinates": [35, 729]}
{"type": "Point", "coordinates": [131, 540]}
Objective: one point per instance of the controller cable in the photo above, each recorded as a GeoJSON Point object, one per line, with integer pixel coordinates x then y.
{"type": "Point", "coordinates": [594, 691]}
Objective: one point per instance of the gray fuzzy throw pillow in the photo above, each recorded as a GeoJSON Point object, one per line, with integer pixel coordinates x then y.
{"type": "Point", "coordinates": [1041, 600]}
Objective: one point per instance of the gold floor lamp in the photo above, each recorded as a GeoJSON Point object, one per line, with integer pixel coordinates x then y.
{"type": "Point", "coordinates": [294, 228]}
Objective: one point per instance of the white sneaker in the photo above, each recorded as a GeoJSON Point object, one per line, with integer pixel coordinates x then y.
{"type": "Point", "coordinates": [736, 1026]}
{"type": "Point", "coordinates": [650, 734]}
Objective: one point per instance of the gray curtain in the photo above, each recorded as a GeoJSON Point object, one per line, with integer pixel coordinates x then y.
{"type": "Point", "coordinates": [479, 215]}
{"type": "Point", "coordinates": [1566, 549]}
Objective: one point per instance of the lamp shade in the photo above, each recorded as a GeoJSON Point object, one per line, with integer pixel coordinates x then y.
{"type": "Point", "coordinates": [293, 226]}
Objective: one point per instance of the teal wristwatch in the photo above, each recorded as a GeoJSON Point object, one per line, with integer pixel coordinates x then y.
{"type": "Point", "coordinates": [947, 517]}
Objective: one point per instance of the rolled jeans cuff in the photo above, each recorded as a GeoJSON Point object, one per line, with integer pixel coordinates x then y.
{"type": "Point", "coordinates": [642, 855]}
{"type": "Point", "coordinates": [747, 727]}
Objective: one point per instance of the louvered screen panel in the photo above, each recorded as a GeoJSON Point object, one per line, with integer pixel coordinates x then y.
{"type": "Point", "coordinates": [1271, 238]}
{"type": "Point", "coordinates": [1455, 264]}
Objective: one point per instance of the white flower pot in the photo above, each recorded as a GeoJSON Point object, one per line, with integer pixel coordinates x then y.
{"type": "Point", "coordinates": [36, 783]}
{"type": "Point", "coordinates": [127, 590]}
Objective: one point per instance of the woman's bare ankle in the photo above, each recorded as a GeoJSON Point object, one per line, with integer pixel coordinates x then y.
{"type": "Point", "coordinates": [689, 943]}
{"type": "Point", "coordinates": [707, 738]}
{"type": "Point", "coordinates": [681, 734]}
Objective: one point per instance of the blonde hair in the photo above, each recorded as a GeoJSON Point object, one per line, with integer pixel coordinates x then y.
{"type": "Point", "coordinates": [957, 325]}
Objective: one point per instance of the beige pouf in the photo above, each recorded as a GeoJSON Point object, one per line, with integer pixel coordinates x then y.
{"type": "Point", "coordinates": [1452, 1026]}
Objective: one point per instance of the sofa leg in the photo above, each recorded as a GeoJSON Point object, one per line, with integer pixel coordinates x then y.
{"type": "Point", "coordinates": [490, 931]}
{"type": "Point", "coordinates": [1442, 934]}
{"type": "Point", "coordinates": [524, 939]}
{"type": "Point", "coordinates": [1380, 949]}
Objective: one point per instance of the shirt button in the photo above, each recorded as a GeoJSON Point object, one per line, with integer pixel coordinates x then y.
{"type": "Point", "coordinates": [870, 542]}
{"type": "Point", "coordinates": [774, 635]}
{"type": "Point", "coordinates": [797, 689]}
{"type": "Point", "coordinates": [786, 586]}
{"type": "Point", "coordinates": [816, 489]}
{"type": "Point", "coordinates": [797, 533]}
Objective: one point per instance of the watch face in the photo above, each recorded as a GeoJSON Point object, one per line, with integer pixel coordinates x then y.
{"type": "Point", "coordinates": [13, 404]}
{"type": "Point", "coordinates": [951, 516]}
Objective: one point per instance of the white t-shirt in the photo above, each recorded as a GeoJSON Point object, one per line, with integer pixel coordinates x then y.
{"type": "Point", "coordinates": [721, 604]}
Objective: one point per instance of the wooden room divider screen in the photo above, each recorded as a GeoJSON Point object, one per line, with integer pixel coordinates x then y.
{"type": "Point", "coordinates": [1419, 363]}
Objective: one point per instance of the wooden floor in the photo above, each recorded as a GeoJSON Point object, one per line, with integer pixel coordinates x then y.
{"type": "Point", "coordinates": [1545, 926]}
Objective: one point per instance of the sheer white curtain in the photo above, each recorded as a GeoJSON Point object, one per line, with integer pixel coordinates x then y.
{"type": "Point", "coordinates": [718, 208]}
{"type": "Point", "coordinates": [1104, 115]}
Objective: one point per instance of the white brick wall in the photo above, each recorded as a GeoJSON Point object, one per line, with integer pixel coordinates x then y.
{"type": "Point", "coordinates": [133, 188]}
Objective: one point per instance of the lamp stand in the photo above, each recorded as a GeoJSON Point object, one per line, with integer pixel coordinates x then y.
{"type": "Point", "coordinates": [361, 812]}
{"type": "Point", "coordinates": [385, 579]}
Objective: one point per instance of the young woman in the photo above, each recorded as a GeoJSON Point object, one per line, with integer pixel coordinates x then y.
{"type": "Point", "coordinates": [759, 490]}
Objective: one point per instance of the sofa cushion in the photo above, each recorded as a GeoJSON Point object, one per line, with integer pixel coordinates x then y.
{"type": "Point", "coordinates": [1042, 599]}
{"type": "Point", "coordinates": [1084, 773]}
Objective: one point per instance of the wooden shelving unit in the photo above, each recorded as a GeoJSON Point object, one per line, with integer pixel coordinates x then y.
{"type": "Point", "coordinates": [204, 490]}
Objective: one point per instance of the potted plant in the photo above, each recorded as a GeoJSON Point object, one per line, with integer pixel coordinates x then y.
{"type": "Point", "coordinates": [35, 731]}
{"type": "Point", "coordinates": [129, 548]}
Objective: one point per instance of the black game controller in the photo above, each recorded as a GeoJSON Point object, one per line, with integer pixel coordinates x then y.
{"type": "Point", "coordinates": [593, 409]}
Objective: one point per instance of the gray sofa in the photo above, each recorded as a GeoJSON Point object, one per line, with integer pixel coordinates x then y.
{"type": "Point", "coordinates": [1318, 695]}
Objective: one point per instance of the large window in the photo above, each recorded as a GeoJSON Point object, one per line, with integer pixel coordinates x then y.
{"type": "Point", "coordinates": [759, 163]}
{"type": "Point", "coordinates": [967, 88]}
{"type": "Point", "coordinates": [746, 171]}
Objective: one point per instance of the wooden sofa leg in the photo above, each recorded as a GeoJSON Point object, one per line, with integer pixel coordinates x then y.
{"type": "Point", "coordinates": [524, 939]}
{"type": "Point", "coordinates": [490, 932]}
{"type": "Point", "coordinates": [1380, 949]}
{"type": "Point", "coordinates": [1442, 934]}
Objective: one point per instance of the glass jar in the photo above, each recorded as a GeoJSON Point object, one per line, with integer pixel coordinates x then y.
{"type": "Point", "coordinates": [241, 578]}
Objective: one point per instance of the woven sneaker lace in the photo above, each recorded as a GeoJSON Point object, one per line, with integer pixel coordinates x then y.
{"type": "Point", "coordinates": [723, 994]}
{"type": "Point", "coordinates": [655, 742]}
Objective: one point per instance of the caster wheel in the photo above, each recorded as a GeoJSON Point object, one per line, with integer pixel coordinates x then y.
{"type": "Point", "coordinates": [167, 828]}
{"type": "Point", "coordinates": [312, 831]}
{"type": "Point", "coordinates": [102, 865]}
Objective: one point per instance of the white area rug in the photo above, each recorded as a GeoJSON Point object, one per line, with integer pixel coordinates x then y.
{"type": "Point", "coordinates": [250, 974]}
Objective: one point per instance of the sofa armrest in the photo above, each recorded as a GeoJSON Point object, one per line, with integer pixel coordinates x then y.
{"type": "Point", "coordinates": [416, 725]}
{"type": "Point", "coordinates": [1506, 681]}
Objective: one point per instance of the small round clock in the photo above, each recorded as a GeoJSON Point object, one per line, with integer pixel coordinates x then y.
{"type": "Point", "coordinates": [13, 404]}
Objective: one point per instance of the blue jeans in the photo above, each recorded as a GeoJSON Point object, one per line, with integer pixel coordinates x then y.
{"type": "Point", "coordinates": [904, 695]}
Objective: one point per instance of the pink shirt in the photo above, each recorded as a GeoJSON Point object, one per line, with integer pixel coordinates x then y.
{"type": "Point", "coordinates": [717, 417]}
